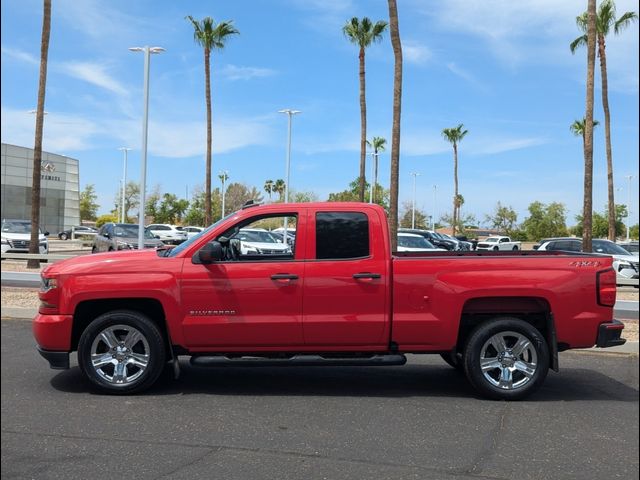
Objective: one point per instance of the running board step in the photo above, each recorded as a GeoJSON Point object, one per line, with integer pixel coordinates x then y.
{"type": "Point", "coordinates": [298, 361]}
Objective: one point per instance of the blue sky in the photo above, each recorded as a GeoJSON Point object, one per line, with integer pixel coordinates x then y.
{"type": "Point", "coordinates": [502, 68]}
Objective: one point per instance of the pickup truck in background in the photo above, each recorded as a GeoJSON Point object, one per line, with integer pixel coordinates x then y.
{"type": "Point", "coordinates": [496, 243]}
{"type": "Point", "coordinates": [337, 297]}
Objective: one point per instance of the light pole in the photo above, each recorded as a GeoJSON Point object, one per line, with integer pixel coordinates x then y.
{"type": "Point", "coordinates": [629, 178]}
{"type": "Point", "coordinates": [374, 176]}
{"type": "Point", "coordinates": [124, 182]}
{"type": "Point", "coordinates": [223, 176]}
{"type": "Point", "coordinates": [433, 222]}
{"type": "Point", "coordinates": [290, 113]}
{"type": "Point", "coordinates": [145, 124]}
{"type": "Point", "coordinates": [413, 209]}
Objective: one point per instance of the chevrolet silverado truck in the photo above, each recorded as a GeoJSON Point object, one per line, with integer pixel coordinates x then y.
{"type": "Point", "coordinates": [338, 297]}
{"type": "Point", "coordinates": [497, 243]}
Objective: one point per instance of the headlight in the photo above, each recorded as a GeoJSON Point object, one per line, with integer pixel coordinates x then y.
{"type": "Point", "coordinates": [253, 250]}
{"type": "Point", "coordinates": [47, 284]}
{"type": "Point", "coordinates": [5, 241]}
{"type": "Point", "coordinates": [124, 246]}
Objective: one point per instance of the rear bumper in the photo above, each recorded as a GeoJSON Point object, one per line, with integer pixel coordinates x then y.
{"type": "Point", "coordinates": [57, 360]}
{"type": "Point", "coordinates": [609, 334]}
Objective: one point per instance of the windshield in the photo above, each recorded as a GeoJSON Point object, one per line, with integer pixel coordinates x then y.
{"type": "Point", "coordinates": [413, 242]}
{"type": "Point", "coordinates": [131, 231]}
{"type": "Point", "coordinates": [604, 246]}
{"type": "Point", "coordinates": [256, 236]}
{"type": "Point", "coordinates": [176, 250]}
{"type": "Point", "coordinates": [16, 227]}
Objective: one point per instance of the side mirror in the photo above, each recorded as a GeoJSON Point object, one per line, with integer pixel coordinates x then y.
{"type": "Point", "coordinates": [156, 236]}
{"type": "Point", "coordinates": [107, 235]}
{"type": "Point", "coordinates": [535, 247]}
{"type": "Point", "coordinates": [210, 253]}
{"type": "Point", "coordinates": [46, 234]}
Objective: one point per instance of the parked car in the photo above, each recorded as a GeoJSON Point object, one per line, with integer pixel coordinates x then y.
{"type": "Point", "coordinates": [16, 237]}
{"type": "Point", "coordinates": [169, 234]}
{"type": "Point", "coordinates": [257, 241]}
{"type": "Point", "coordinates": [122, 236]}
{"type": "Point", "coordinates": [433, 238]}
{"type": "Point", "coordinates": [191, 231]}
{"type": "Point", "coordinates": [79, 230]}
{"type": "Point", "coordinates": [341, 298]}
{"type": "Point", "coordinates": [631, 247]}
{"type": "Point", "coordinates": [291, 239]}
{"type": "Point", "coordinates": [412, 242]}
{"type": "Point", "coordinates": [624, 263]}
{"type": "Point", "coordinates": [462, 245]}
{"type": "Point", "coordinates": [498, 243]}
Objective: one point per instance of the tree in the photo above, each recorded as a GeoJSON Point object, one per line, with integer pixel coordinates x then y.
{"type": "Point", "coordinates": [34, 245]}
{"type": "Point", "coordinates": [600, 225]}
{"type": "Point", "coordinates": [210, 37]}
{"type": "Point", "coordinates": [109, 218]}
{"type": "Point", "coordinates": [545, 221]}
{"type": "Point", "coordinates": [454, 136]}
{"type": "Point", "coordinates": [88, 205]}
{"type": "Point", "coordinates": [302, 197]}
{"type": "Point", "coordinates": [238, 194]}
{"type": "Point", "coordinates": [577, 128]}
{"type": "Point", "coordinates": [132, 200]}
{"type": "Point", "coordinates": [394, 33]}
{"type": "Point", "coordinates": [463, 222]}
{"type": "Point", "coordinates": [605, 20]}
{"type": "Point", "coordinates": [633, 232]}
{"type": "Point", "coordinates": [378, 145]}
{"type": "Point", "coordinates": [351, 194]}
{"type": "Point", "coordinates": [363, 33]}
{"type": "Point", "coordinates": [268, 187]}
{"type": "Point", "coordinates": [279, 187]}
{"type": "Point", "coordinates": [503, 219]}
{"type": "Point", "coordinates": [407, 217]}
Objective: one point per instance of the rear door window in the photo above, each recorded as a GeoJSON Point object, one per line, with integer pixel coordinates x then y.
{"type": "Point", "coordinates": [342, 235]}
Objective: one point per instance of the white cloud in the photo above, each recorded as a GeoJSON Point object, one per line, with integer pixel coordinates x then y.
{"type": "Point", "coordinates": [94, 73]}
{"type": "Point", "coordinates": [20, 55]}
{"type": "Point", "coordinates": [465, 75]}
{"type": "Point", "coordinates": [414, 52]}
{"type": "Point", "coordinates": [235, 72]}
{"type": "Point", "coordinates": [98, 20]}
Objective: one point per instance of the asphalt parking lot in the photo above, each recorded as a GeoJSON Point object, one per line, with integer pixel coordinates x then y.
{"type": "Point", "coordinates": [420, 421]}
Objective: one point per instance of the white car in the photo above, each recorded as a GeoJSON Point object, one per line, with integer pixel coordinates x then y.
{"type": "Point", "coordinates": [257, 241]}
{"type": "Point", "coordinates": [16, 237]}
{"type": "Point", "coordinates": [191, 231]}
{"type": "Point", "coordinates": [412, 242]}
{"type": "Point", "coordinates": [167, 233]}
{"type": "Point", "coordinates": [498, 243]}
{"type": "Point", "coordinates": [625, 264]}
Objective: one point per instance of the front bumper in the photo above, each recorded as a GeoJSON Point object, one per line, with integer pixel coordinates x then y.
{"type": "Point", "coordinates": [609, 334]}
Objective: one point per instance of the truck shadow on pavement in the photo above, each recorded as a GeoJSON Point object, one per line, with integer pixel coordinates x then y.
{"type": "Point", "coordinates": [570, 384]}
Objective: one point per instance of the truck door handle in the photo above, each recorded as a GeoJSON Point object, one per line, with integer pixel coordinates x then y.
{"type": "Point", "coordinates": [366, 275]}
{"type": "Point", "coordinates": [284, 276]}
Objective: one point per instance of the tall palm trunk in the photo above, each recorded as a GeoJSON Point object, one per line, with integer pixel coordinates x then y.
{"type": "Point", "coordinates": [34, 246]}
{"type": "Point", "coordinates": [395, 131]}
{"type": "Point", "coordinates": [455, 189]}
{"type": "Point", "coordinates": [375, 176]}
{"type": "Point", "coordinates": [607, 135]}
{"type": "Point", "coordinates": [587, 207]}
{"type": "Point", "coordinates": [207, 197]}
{"type": "Point", "coordinates": [363, 127]}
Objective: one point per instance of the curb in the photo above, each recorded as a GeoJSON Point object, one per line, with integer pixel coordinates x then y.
{"type": "Point", "coordinates": [629, 348]}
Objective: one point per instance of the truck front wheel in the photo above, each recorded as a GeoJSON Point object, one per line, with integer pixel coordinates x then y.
{"type": "Point", "coordinates": [121, 352]}
{"type": "Point", "coordinates": [506, 358]}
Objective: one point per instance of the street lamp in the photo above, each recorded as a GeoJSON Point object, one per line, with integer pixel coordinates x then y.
{"type": "Point", "coordinates": [145, 123]}
{"type": "Point", "coordinates": [223, 176]}
{"type": "Point", "coordinates": [374, 175]}
{"type": "Point", "coordinates": [124, 181]}
{"type": "Point", "coordinates": [290, 113]}
{"type": "Point", "coordinates": [413, 209]}
{"type": "Point", "coordinates": [628, 177]}
{"type": "Point", "coordinates": [433, 222]}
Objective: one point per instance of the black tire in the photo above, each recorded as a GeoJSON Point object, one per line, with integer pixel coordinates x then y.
{"type": "Point", "coordinates": [94, 250]}
{"type": "Point", "coordinates": [454, 359]}
{"type": "Point", "coordinates": [63, 236]}
{"type": "Point", "coordinates": [515, 248]}
{"type": "Point", "coordinates": [522, 348]}
{"type": "Point", "coordinates": [495, 249]}
{"type": "Point", "coordinates": [137, 350]}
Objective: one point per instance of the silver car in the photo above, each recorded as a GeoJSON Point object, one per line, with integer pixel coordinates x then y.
{"type": "Point", "coordinates": [122, 236]}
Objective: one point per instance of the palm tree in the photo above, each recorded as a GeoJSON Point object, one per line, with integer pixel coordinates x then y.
{"type": "Point", "coordinates": [209, 36]}
{"type": "Point", "coordinates": [578, 127]}
{"type": "Point", "coordinates": [454, 136]}
{"type": "Point", "coordinates": [396, 44]}
{"type": "Point", "coordinates": [268, 187]}
{"type": "Point", "coordinates": [605, 20]}
{"type": "Point", "coordinates": [363, 33]}
{"type": "Point", "coordinates": [279, 188]}
{"type": "Point", "coordinates": [34, 245]}
{"type": "Point", "coordinates": [587, 206]}
{"type": "Point", "coordinates": [378, 144]}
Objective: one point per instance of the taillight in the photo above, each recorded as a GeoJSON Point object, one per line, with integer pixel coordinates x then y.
{"type": "Point", "coordinates": [606, 284]}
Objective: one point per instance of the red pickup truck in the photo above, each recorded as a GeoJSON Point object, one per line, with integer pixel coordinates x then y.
{"type": "Point", "coordinates": [332, 294]}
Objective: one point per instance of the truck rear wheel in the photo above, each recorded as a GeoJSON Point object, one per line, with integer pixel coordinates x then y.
{"type": "Point", "coordinates": [121, 352]}
{"type": "Point", "coordinates": [506, 359]}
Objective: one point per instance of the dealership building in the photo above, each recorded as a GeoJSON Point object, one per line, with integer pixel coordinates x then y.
{"type": "Point", "coordinates": [59, 188]}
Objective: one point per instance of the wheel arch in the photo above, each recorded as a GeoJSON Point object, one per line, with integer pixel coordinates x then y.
{"type": "Point", "coordinates": [533, 310]}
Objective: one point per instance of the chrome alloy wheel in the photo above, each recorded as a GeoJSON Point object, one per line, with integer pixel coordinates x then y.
{"type": "Point", "coordinates": [508, 360]}
{"type": "Point", "coordinates": [120, 354]}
